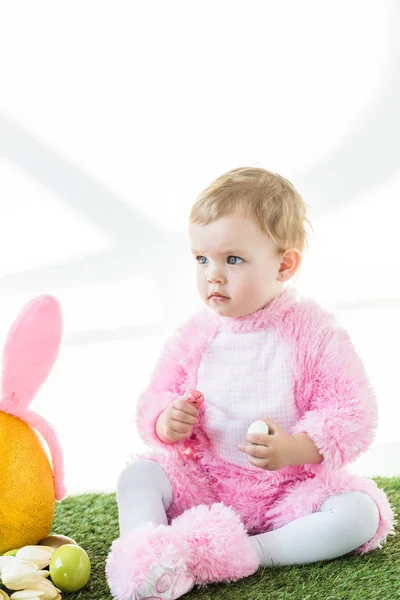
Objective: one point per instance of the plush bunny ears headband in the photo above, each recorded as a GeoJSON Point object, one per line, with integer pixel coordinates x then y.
{"type": "Point", "coordinates": [30, 351]}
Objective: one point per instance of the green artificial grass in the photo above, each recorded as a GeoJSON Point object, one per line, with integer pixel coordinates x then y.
{"type": "Point", "coordinates": [92, 520]}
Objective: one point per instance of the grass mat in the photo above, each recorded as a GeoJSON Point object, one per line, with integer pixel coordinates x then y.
{"type": "Point", "coordinates": [92, 520]}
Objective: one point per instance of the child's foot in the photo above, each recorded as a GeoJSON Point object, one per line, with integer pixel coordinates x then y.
{"type": "Point", "coordinates": [149, 562]}
{"type": "Point", "coordinates": [205, 544]}
{"type": "Point", "coordinates": [166, 582]}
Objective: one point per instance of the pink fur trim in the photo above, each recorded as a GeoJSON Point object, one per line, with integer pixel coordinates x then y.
{"type": "Point", "coordinates": [204, 545]}
{"type": "Point", "coordinates": [172, 376]}
{"type": "Point", "coordinates": [342, 414]}
{"type": "Point", "coordinates": [271, 315]}
{"type": "Point", "coordinates": [220, 549]}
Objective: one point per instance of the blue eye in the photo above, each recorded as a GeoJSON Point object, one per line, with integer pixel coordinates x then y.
{"type": "Point", "coordinates": [234, 257]}
{"type": "Point", "coordinates": [200, 261]}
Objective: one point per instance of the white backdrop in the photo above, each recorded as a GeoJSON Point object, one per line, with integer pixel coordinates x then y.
{"type": "Point", "coordinates": [113, 117]}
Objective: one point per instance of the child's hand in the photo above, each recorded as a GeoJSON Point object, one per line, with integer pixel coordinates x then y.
{"type": "Point", "coordinates": [273, 451]}
{"type": "Point", "coordinates": [176, 422]}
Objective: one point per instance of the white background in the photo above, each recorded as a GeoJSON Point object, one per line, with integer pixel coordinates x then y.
{"type": "Point", "coordinates": [113, 118]}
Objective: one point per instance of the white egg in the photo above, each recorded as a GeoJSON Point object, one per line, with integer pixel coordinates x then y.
{"type": "Point", "coordinates": [258, 427]}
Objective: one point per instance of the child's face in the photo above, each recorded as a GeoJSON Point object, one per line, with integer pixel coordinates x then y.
{"type": "Point", "coordinates": [238, 260]}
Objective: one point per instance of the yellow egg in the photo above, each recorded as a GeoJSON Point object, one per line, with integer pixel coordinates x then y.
{"type": "Point", "coordinates": [27, 497]}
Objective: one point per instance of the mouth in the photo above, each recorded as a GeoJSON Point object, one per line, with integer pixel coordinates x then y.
{"type": "Point", "coordinates": [218, 297]}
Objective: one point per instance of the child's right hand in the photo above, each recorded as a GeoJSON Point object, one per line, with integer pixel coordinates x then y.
{"type": "Point", "coordinates": [176, 422]}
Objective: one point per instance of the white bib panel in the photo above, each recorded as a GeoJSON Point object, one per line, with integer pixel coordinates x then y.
{"type": "Point", "coordinates": [244, 377]}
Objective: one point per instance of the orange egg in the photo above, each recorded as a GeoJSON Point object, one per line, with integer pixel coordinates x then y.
{"type": "Point", "coordinates": [27, 497]}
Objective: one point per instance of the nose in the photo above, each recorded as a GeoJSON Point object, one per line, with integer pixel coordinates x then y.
{"type": "Point", "coordinates": [215, 277]}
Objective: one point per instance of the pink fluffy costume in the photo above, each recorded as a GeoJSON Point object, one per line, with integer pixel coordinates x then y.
{"type": "Point", "coordinates": [219, 500]}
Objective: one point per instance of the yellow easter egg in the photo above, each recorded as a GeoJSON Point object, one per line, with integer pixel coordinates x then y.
{"type": "Point", "coordinates": [27, 497]}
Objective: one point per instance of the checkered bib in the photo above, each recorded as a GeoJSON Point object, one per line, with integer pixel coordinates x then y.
{"type": "Point", "coordinates": [244, 377]}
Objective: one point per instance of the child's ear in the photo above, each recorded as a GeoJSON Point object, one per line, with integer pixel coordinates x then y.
{"type": "Point", "coordinates": [290, 263]}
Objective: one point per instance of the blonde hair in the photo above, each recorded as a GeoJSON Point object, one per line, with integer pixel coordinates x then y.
{"type": "Point", "coordinates": [257, 193]}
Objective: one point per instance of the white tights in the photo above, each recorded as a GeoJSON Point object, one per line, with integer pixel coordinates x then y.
{"type": "Point", "coordinates": [344, 521]}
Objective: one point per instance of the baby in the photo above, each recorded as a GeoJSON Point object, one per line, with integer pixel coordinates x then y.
{"type": "Point", "coordinates": [212, 503]}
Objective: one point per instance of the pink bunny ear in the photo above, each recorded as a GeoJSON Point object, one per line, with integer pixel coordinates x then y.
{"type": "Point", "coordinates": [30, 351]}
{"type": "Point", "coordinates": [49, 435]}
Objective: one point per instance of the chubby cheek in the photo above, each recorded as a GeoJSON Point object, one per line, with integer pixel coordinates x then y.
{"type": "Point", "coordinates": [202, 284]}
{"type": "Point", "coordinates": [244, 281]}
{"type": "Point", "coordinates": [247, 289]}
{"type": "Point", "coordinates": [252, 288]}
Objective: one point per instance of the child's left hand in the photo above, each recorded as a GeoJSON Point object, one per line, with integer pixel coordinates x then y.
{"type": "Point", "coordinates": [273, 451]}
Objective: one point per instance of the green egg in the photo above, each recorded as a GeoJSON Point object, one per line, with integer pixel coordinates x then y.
{"type": "Point", "coordinates": [70, 568]}
{"type": "Point", "coordinates": [11, 552]}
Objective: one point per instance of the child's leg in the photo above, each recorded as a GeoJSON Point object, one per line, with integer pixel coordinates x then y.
{"type": "Point", "coordinates": [204, 544]}
{"type": "Point", "coordinates": [344, 522]}
{"type": "Point", "coordinates": [144, 493]}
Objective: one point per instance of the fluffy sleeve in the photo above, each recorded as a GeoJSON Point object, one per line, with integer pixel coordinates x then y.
{"type": "Point", "coordinates": [342, 415]}
{"type": "Point", "coordinates": [168, 380]}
